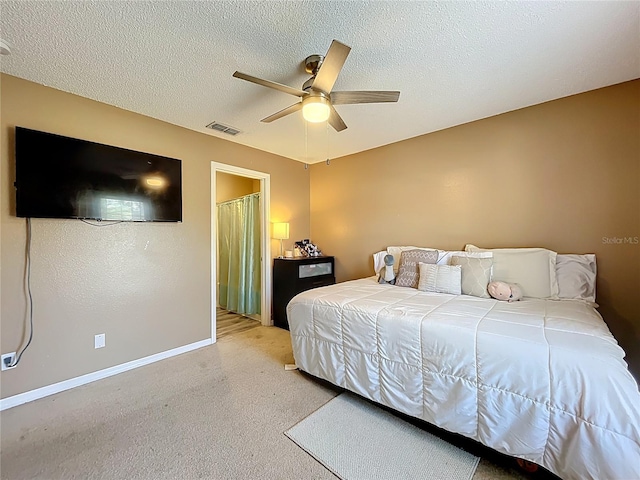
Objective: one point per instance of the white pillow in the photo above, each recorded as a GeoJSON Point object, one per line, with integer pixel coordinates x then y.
{"type": "Point", "coordinates": [577, 276]}
{"type": "Point", "coordinates": [534, 269]}
{"type": "Point", "coordinates": [397, 253]}
{"type": "Point", "coordinates": [440, 278]}
{"type": "Point", "coordinates": [444, 257]}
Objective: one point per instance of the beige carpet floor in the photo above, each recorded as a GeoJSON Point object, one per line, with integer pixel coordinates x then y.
{"type": "Point", "coordinates": [217, 413]}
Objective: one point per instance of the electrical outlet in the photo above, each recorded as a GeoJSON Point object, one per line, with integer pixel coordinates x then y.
{"type": "Point", "coordinates": [7, 359]}
{"type": "Point", "coordinates": [99, 341]}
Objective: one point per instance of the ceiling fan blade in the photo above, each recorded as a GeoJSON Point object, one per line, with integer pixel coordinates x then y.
{"type": "Point", "coordinates": [270, 84]}
{"type": "Point", "coordinates": [331, 66]}
{"type": "Point", "coordinates": [345, 98]}
{"type": "Point", "coordinates": [336, 121]}
{"type": "Point", "coordinates": [282, 113]}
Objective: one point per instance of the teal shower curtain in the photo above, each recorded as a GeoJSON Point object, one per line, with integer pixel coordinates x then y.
{"type": "Point", "coordinates": [239, 254]}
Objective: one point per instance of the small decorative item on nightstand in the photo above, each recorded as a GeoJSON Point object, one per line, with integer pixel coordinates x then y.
{"type": "Point", "coordinates": [294, 275]}
{"type": "Point", "coordinates": [307, 248]}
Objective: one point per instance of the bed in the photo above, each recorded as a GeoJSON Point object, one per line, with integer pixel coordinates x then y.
{"type": "Point", "coordinates": [540, 379]}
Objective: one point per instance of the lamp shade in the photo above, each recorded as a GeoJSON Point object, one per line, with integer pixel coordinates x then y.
{"type": "Point", "coordinates": [315, 109]}
{"type": "Point", "coordinates": [280, 231]}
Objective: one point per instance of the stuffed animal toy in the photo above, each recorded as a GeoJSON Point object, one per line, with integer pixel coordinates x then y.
{"type": "Point", "coordinates": [510, 292]}
{"type": "Point", "coordinates": [386, 273]}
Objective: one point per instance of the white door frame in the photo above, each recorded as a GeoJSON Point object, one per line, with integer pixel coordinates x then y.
{"type": "Point", "coordinates": [265, 246]}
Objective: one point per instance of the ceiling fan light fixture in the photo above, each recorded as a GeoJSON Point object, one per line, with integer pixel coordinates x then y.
{"type": "Point", "coordinates": [318, 97]}
{"type": "Point", "coordinates": [315, 109]}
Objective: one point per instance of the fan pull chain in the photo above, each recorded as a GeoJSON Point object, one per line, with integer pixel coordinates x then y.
{"type": "Point", "coordinates": [327, 140]}
{"type": "Point", "coordinates": [306, 145]}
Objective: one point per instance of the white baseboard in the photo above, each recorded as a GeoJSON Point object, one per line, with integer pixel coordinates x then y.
{"type": "Point", "coordinates": [31, 395]}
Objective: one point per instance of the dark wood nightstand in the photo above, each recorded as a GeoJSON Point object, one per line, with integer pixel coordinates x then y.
{"type": "Point", "coordinates": [294, 275]}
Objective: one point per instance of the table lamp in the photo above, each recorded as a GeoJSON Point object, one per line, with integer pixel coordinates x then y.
{"type": "Point", "coordinates": [281, 232]}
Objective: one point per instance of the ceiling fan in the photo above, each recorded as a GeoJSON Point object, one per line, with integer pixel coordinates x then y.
{"type": "Point", "coordinates": [317, 98]}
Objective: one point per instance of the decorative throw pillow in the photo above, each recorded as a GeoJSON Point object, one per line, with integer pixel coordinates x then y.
{"type": "Point", "coordinates": [440, 278]}
{"type": "Point", "coordinates": [476, 274]}
{"type": "Point", "coordinates": [577, 276]}
{"type": "Point", "coordinates": [408, 273]}
{"type": "Point", "coordinates": [396, 252]}
{"type": "Point", "coordinates": [534, 269]}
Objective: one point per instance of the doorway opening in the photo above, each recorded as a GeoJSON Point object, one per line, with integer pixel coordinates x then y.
{"type": "Point", "coordinates": [238, 188]}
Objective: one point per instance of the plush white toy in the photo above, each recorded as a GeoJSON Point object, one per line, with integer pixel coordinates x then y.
{"type": "Point", "coordinates": [387, 275]}
{"type": "Point", "coordinates": [511, 292]}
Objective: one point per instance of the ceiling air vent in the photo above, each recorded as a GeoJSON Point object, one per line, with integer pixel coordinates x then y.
{"type": "Point", "coordinates": [220, 127]}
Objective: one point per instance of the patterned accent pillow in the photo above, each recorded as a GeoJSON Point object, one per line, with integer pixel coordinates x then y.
{"type": "Point", "coordinates": [408, 273]}
{"type": "Point", "coordinates": [476, 274]}
{"type": "Point", "coordinates": [396, 252]}
{"type": "Point", "coordinates": [440, 278]}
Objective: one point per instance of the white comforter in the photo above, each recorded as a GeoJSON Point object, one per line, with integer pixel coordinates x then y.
{"type": "Point", "coordinates": [541, 380]}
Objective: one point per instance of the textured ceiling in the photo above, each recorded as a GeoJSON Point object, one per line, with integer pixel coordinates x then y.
{"type": "Point", "coordinates": [453, 62]}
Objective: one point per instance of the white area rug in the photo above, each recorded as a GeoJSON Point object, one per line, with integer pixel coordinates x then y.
{"type": "Point", "coordinates": [359, 441]}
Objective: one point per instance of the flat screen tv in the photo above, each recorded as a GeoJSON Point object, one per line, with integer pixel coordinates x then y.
{"type": "Point", "coordinates": [62, 177]}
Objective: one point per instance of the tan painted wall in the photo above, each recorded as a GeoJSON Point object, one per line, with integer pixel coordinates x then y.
{"type": "Point", "coordinates": [146, 286]}
{"type": "Point", "coordinates": [230, 186]}
{"type": "Point", "coordinates": [564, 175]}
